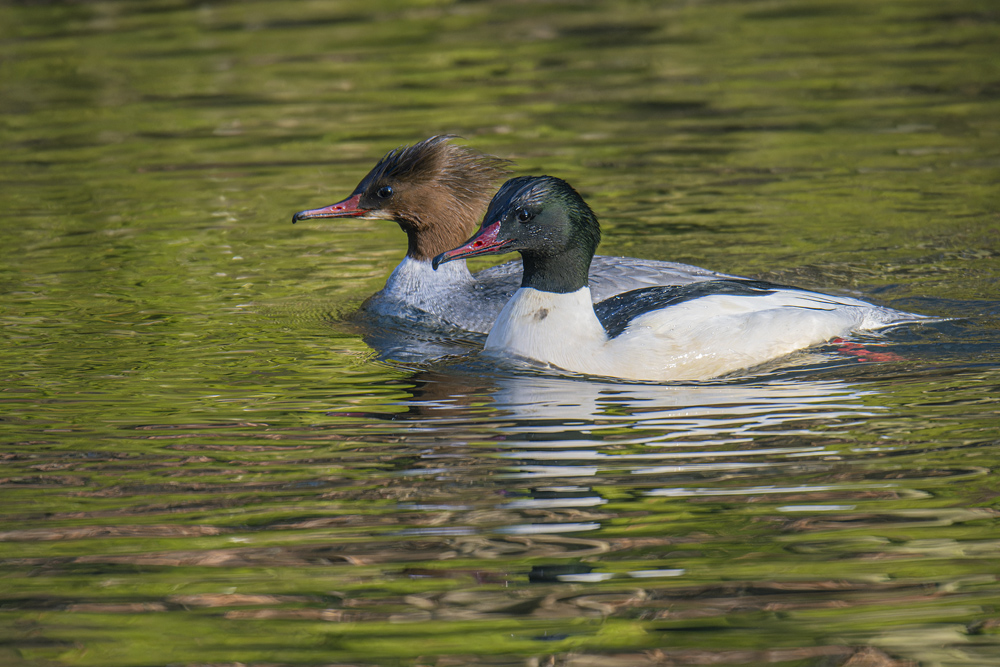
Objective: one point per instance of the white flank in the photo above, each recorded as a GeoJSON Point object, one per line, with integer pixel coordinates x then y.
{"type": "Point", "coordinates": [694, 340]}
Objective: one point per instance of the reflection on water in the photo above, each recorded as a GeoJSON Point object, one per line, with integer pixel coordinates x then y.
{"type": "Point", "coordinates": [208, 459]}
{"type": "Point", "coordinates": [517, 501]}
{"type": "Point", "coordinates": [573, 428]}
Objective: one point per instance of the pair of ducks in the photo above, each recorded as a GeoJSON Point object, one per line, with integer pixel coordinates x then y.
{"type": "Point", "coordinates": [561, 305]}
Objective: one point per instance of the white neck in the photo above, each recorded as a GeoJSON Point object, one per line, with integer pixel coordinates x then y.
{"type": "Point", "coordinates": [415, 281]}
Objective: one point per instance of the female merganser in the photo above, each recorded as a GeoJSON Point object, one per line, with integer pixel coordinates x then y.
{"type": "Point", "coordinates": [688, 332]}
{"type": "Point", "coordinates": [437, 192]}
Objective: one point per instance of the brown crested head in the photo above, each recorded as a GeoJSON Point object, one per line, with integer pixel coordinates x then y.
{"type": "Point", "coordinates": [436, 190]}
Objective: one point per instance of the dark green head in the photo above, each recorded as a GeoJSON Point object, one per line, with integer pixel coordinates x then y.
{"type": "Point", "coordinates": [547, 221]}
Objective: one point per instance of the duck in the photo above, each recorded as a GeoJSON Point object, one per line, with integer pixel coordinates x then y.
{"type": "Point", "coordinates": [437, 191]}
{"type": "Point", "coordinates": [696, 331]}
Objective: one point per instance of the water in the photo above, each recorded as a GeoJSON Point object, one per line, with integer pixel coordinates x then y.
{"type": "Point", "coordinates": [207, 461]}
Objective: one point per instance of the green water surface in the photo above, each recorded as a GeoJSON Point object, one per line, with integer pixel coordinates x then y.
{"type": "Point", "coordinates": [205, 460]}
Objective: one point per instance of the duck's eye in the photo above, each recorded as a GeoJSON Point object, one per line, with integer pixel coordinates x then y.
{"type": "Point", "coordinates": [384, 192]}
{"type": "Point", "coordinates": [522, 215]}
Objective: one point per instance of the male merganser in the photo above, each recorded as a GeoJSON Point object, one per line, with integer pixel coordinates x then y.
{"type": "Point", "coordinates": [688, 332]}
{"type": "Point", "coordinates": [437, 192]}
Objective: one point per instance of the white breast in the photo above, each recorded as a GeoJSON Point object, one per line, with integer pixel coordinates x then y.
{"type": "Point", "coordinates": [547, 327]}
